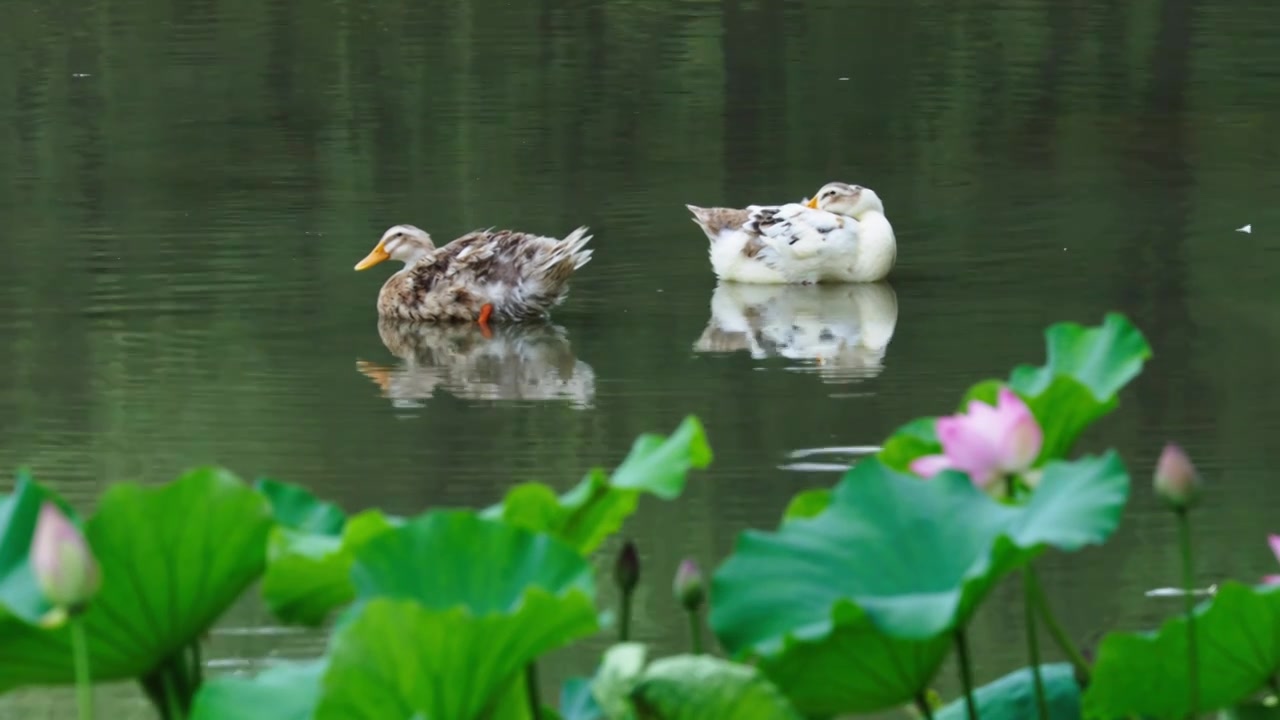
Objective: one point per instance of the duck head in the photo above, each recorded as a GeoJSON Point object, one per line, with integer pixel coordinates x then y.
{"type": "Point", "coordinates": [404, 243]}
{"type": "Point", "coordinates": [845, 199]}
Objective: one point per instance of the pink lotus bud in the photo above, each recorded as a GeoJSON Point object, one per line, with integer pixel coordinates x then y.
{"type": "Point", "coordinates": [689, 587]}
{"type": "Point", "coordinates": [1176, 479]}
{"type": "Point", "coordinates": [987, 442]}
{"type": "Point", "coordinates": [62, 560]}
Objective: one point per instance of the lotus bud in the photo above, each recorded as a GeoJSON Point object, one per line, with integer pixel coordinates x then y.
{"type": "Point", "coordinates": [626, 570]}
{"type": "Point", "coordinates": [690, 590]}
{"type": "Point", "coordinates": [62, 561]}
{"type": "Point", "coordinates": [1176, 479]}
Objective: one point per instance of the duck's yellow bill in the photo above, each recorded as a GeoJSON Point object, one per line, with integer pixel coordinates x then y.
{"type": "Point", "coordinates": [373, 258]}
{"type": "Point", "coordinates": [812, 203]}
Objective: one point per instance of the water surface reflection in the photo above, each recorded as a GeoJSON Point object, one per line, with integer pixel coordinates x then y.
{"type": "Point", "coordinates": [843, 330]}
{"type": "Point", "coordinates": [518, 362]}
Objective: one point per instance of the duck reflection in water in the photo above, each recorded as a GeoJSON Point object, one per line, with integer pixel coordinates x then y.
{"type": "Point", "coordinates": [521, 361]}
{"type": "Point", "coordinates": [843, 329]}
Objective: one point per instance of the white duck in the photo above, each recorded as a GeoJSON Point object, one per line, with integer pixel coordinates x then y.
{"type": "Point", "coordinates": [841, 234]}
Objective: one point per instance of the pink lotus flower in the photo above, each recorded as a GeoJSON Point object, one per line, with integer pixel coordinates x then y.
{"type": "Point", "coordinates": [1274, 542]}
{"type": "Point", "coordinates": [986, 442]}
{"type": "Point", "coordinates": [62, 561]}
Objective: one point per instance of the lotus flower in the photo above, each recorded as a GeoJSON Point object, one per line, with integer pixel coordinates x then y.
{"type": "Point", "coordinates": [62, 561]}
{"type": "Point", "coordinates": [1274, 542]}
{"type": "Point", "coordinates": [1176, 479]}
{"type": "Point", "coordinates": [986, 442]}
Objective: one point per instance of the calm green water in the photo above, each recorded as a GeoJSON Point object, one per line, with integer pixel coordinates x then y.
{"type": "Point", "coordinates": [187, 185]}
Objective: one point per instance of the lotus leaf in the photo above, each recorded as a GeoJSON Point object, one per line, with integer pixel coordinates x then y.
{"type": "Point", "coordinates": [1146, 673]}
{"type": "Point", "coordinates": [700, 687]}
{"type": "Point", "coordinates": [173, 559]}
{"type": "Point", "coordinates": [397, 658]}
{"type": "Point", "coordinates": [297, 508]}
{"type": "Point", "coordinates": [598, 505]}
{"type": "Point", "coordinates": [309, 575]}
{"type": "Point", "coordinates": [287, 691]}
{"type": "Point", "coordinates": [577, 702]}
{"type": "Point", "coordinates": [807, 504]}
{"type": "Point", "coordinates": [1012, 697]}
{"type": "Point", "coordinates": [894, 556]}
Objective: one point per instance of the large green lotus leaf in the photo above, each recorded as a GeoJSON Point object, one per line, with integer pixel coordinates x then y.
{"type": "Point", "coordinates": [308, 574]}
{"type": "Point", "coordinates": [287, 691]}
{"type": "Point", "coordinates": [1013, 697]}
{"type": "Point", "coordinates": [701, 687]}
{"type": "Point", "coordinates": [297, 508]}
{"type": "Point", "coordinates": [854, 668]}
{"type": "Point", "coordinates": [173, 559]}
{"type": "Point", "coordinates": [1085, 370]}
{"type": "Point", "coordinates": [598, 505]}
{"type": "Point", "coordinates": [454, 557]}
{"type": "Point", "coordinates": [1102, 358]}
{"type": "Point", "coordinates": [400, 659]}
{"type": "Point", "coordinates": [910, 559]}
{"type": "Point", "coordinates": [20, 594]}
{"type": "Point", "coordinates": [1146, 673]}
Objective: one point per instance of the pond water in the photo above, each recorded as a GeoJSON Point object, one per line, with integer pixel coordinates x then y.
{"type": "Point", "coordinates": [188, 184]}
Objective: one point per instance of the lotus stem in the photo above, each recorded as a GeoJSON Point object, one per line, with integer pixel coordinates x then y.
{"type": "Point", "coordinates": [1188, 578]}
{"type": "Point", "coordinates": [966, 673]}
{"type": "Point", "coordinates": [695, 632]}
{"type": "Point", "coordinates": [197, 666]}
{"type": "Point", "coordinates": [624, 617]}
{"type": "Point", "coordinates": [1074, 656]}
{"type": "Point", "coordinates": [173, 708]}
{"type": "Point", "coordinates": [531, 687]}
{"type": "Point", "coordinates": [1033, 642]}
{"type": "Point", "coordinates": [922, 704]}
{"type": "Point", "coordinates": [84, 680]}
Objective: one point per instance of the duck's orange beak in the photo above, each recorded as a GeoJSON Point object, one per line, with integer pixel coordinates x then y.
{"type": "Point", "coordinates": [812, 203]}
{"type": "Point", "coordinates": [373, 258]}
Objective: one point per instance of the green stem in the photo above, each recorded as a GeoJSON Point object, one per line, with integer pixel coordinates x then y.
{"type": "Point", "coordinates": [1033, 642]}
{"type": "Point", "coordinates": [84, 681]}
{"type": "Point", "coordinates": [531, 687]}
{"type": "Point", "coordinates": [197, 666]}
{"type": "Point", "coordinates": [966, 673]}
{"type": "Point", "coordinates": [1188, 579]}
{"type": "Point", "coordinates": [624, 619]}
{"type": "Point", "coordinates": [1074, 656]}
{"type": "Point", "coordinates": [172, 705]}
{"type": "Point", "coordinates": [922, 704]}
{"type": "Point", "coordinates": [695, 632]}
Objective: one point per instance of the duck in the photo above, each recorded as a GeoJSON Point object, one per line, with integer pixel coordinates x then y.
{"type": "Point", "coordinates": [499, 275]}
{"type": "Point", "coordinates": [841, 234]}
